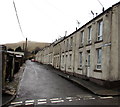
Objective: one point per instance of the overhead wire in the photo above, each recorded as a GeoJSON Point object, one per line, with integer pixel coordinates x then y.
{"type": "Point", "coordinates": [57, 9]}
{"type": "Point", "coordinates": [100, 3]}
{"type": "Point", "coordinates": [18, 19]}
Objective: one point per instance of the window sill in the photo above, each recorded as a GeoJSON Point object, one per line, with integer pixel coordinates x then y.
{"type": "Point", "coordinates": [80, 69]}
{"type": "Point", "coordinates": [87, 66]}
{"type": "Point", "coordinates": [81, 47]}
{"type": "Point", "coordinates": [97, 70]}
{"type": "Point", "coordinates": [98, 41]}
{"type": "Point", "coordinates": [70, 49]}
{"type": "Point", "coordinates": [89, 44]}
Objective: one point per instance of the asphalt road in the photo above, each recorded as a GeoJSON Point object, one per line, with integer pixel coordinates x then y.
{"type": "Point", "coordinates": [41, 86]}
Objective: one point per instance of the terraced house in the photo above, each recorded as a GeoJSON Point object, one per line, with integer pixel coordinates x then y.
{"type": "Point", "coordinates": [91, 52]}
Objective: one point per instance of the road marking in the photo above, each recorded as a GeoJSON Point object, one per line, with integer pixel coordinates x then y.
{"type": "Point", "coordinates": [57, 101]}
{"type": "Point", "coordinates": [29, 101]}
{"type": "Point", "coordinates": [19, 102]}
{"type": "Point", "coordinates": [92, 98]}
{"type": "Point", "coordinates": [17, 105]}
{"type": "Point", "coordinates": [41, 102]}
{"type": "Point", "coordinates": [55, 98]}
{"type": "Point", "coordinates": [87, 97]}
{"type": "Point", "coordinates": [108, 97]}
{"type": "Point", "coordinates": [77, 99]}
{"type": "Point", "coordinates": [69, 98]}
{"type": "Point", "coordinates": [42, 99]}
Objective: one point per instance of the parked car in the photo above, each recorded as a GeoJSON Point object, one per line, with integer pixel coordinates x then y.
{"type": "Point", "coordinates": [32, 60]}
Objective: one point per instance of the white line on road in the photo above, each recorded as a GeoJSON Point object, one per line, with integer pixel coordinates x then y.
{"type": "Point", "coordinates": [42, 99]}
{"type": "Point", "coordinates": [42, 102]}
{"type": "Point", "coordinates": [92, 98]}
{"type": "Point", "coordinates": [29, 101]}
{"type": "Point", "coordinates": [105, 97]}
{"type": "Point", "coordinates": [78, 99]}
{"type": "Point", "coordinates": [69, 98]}
{"type": "Point", "coordinates": [19, 102]}
{"type": "Point", "coordinates": [57, 101]}
{"type": "Point", "coordinates": [16, 105]}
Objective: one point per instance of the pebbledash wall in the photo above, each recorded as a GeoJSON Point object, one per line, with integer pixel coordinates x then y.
{"type": "Point", "coordinates": [91, 52]}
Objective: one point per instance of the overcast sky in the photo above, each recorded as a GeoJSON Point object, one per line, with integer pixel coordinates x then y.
{"type": "Point", "coordinates": [45, 20]}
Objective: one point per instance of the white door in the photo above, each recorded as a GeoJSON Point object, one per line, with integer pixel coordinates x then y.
{"type": "Point", "coordinates": [88, 64]}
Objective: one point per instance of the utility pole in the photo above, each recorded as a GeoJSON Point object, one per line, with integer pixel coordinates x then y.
{"type": "Point", "coordinates": [25, 51]}
{"type": "Point", "coordinates": [23, 47]}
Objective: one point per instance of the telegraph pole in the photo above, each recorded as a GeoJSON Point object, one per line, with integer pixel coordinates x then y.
{"type": "Point", "coordinates": [23, 47]}
{"type": "Point", "coordinates": [25, 51]}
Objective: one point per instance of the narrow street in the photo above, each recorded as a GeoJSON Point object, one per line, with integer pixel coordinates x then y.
{"type": "Point", "coordinates": [40, 85]}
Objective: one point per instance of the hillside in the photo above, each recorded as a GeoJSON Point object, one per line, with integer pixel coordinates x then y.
{"type": "Point", "coordinates": [31, 45]}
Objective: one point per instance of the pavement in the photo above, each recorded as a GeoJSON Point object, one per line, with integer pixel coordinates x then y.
{"type": "Point", "coordinates": [94, 88]}
{"type": "Point", "coordinates": [11, 88]}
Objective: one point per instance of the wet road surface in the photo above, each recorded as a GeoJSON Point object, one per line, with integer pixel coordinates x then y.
{"type": "Point", "coordinates": [40, 85]}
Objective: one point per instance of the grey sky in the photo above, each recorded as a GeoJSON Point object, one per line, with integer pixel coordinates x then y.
{"type": "Point", "coordinates": [45, 20]}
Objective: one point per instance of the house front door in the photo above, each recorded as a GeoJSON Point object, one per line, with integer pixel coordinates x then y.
{"type": "Point", "coordinates": [88, 64]}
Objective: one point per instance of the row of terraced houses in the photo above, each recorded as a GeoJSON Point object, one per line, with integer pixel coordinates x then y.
{"type": "Point", "coordinates": [91, 52]}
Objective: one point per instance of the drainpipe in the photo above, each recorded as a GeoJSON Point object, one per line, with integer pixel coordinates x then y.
{"type": "Point", "coordinates": [74, 50]}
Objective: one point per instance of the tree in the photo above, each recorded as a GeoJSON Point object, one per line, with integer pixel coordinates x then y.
{"type": "Point", "coordinates": [18, 49]}
{"type": "Point", "coordinates": [10, 49]}
{"type": "Point", "coordinates": [36, 50]}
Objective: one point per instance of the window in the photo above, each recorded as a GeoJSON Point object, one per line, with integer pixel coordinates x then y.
{"type": "Point", "coordinates": [63, 46]}
{"type": "Point", "coordinates": [70, 59]}
{"type": "Point", "coordinates": [66, 58]}
{"type": "Point", "coordinates": [89, 34]}
{"type": "Point", "coordinates": [80, 59]}
{"type": "Point", "coordinates": [88, 59]}
{"type": "Point", "coordinates": [99, 58]}
{"type": "Point", "coordinates": [51, 58]}
{"type": "Point", "coordinates": [82, 37]}
{"type": "Point", "coordinates": [63, 59]}
{"type": "Point", "coordinates": [67, 44]}
{"type": "Point", "coordinates": [58, 61]}
{"type": "Point", "coordinates": [100, 30]}
{"type": "Point", "coordinates": [71, 42]}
